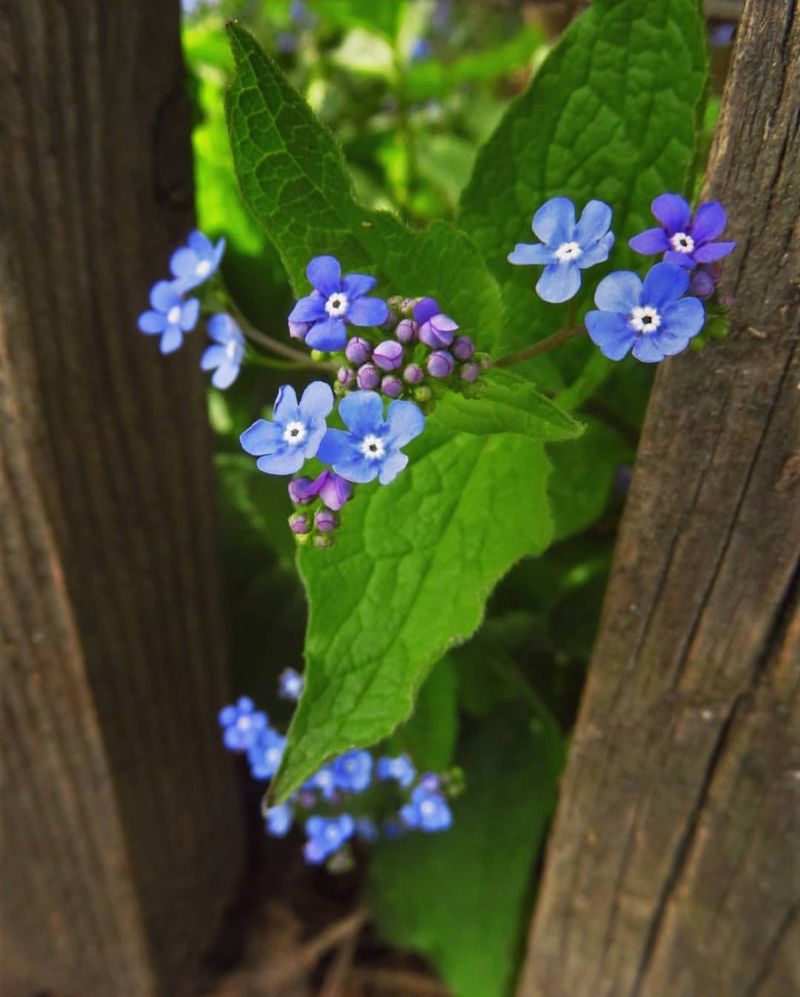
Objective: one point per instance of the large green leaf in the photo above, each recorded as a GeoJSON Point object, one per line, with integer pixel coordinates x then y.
{"type": "Point", "coordinates": [611, 114]}
{"type": "Point", "coordinates": [294, 180]}
{"type": "Point", "coordinates": [461, 897]}
{"type": "Point", "coordinates": [408, 578]}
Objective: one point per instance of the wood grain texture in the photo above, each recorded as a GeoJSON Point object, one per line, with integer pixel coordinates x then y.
{"type": "Point", "coordinates": [122, 828]}
{"type": "Point", "coordinates": [673, 867]}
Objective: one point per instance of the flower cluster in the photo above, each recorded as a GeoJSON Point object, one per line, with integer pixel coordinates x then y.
{"type": "Point", "coordinates": [174, 311]}
{"type": "Point", "coordinates": [357, 796]}
{"type": "Point", "coordinates": [652, 318]}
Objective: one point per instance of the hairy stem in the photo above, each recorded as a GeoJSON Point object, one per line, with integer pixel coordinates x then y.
{"type": "Point", "coordinates": [543, 346]}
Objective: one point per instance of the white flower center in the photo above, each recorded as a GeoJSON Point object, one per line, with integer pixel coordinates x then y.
{"type": "Point", "coordinates": [428, 808]}
{"type": "Point", "coordinates": [294, 432]}
{"type": "Point", "coordinates": [568, 251]}
{"type": "Point", "coordinates": [336, 305]}
{"type": "Point", "coordinates": [372, 447]}
{"type": "Point", "coordinates": [203, 268]}
{"type": "Point", "coordinates": [230, 350]}
{"type": "Point", "coordinates": [682, 243]}
{"type": "Point", "coordinates": [174, 315]}
{"type": "Point", "coordinates": [645, 319]}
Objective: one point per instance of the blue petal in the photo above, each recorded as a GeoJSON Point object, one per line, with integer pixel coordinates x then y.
{"type": "Point", "coordinates": [183, 262]}
{"type": "Point", "coordinates": [405, 421]}
{"type": "Point", "coordinates": [650, 242]}
{"type": "Point", "coordinates": [329, 334]}
{"type": "Point", "coordinates": [367, 311]}
{"type": "Point", "coordinates": [647, 350]}
{"type": "Point", "coordinates": [683, 319]}
{"type": "Point", "coordinates": [391, 467]}
{"type": "Point", "coordinates": [317, 401]}
{"type": "Point", "coordinates": [201, 245]}
{"type": "Point", "coordinates": [357, 469]}
{"type": "Point", "coordinates": [336, 446]}
{"type": "Point", "coordinates": [356, 284]}
{"type": "Point", "coordinates": [598, 253]}
{"type": "Point", "coordinates": [315, 436]}
{"type": "Point", "coordinates": [559, 282]}
{"type": "Point", "coordinates": [325, 275]}
{"type": "Point", "coordinates": [362, 412]}
{"type": "Point", "coordinates": [152, 322]}
{"type": "Point", "coordinates": [190, 310]}
{"type": "Point", "coordinates": [554, 222]}
{"type": "Point", "coordinates": [261, 438]}
{"type": "Point", "coordinates": [685, 260]}
{"type": "Point", "coordinates": [663, 284]}
{"type": "Point", "coordinates": [528, 254]}
{"type": "Point", "coordinates": [709, 222]}
{"type": "Point", "coordinates": [308, 309]}
{"type": "Point", "coordinates": [425, 309]}
{"type": "Point", "coordinates": [285, 408]}
{"type": "Point", "coordinates": [225, 375]}
{"type": "Point", "coordinates": [594, 224]}
{"type": "Point", "coordinates": [164, 295]}
{"type": "Point", "coordinates": [212, 357]}
{"type": "Point", "coordinates": [620, 291]}
{"type": "Point", "coordinates": [222, 329]}
{"type": "Point", "coordinates": [171, 340]}
{"type": "Point", "coordinates": [284, 462]}
{"type": "Point", "coordinates": [670, 345]}
{"type": "Point", "coordinates": [713, 251]}
{"type": "Point", "coordinates": [672, 211]}
{"type": "Point", "coordinates": [611, 332]}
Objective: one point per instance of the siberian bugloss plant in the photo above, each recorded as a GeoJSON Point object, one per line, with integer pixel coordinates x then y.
{"type": "Point", "coordinates": [436, 428]}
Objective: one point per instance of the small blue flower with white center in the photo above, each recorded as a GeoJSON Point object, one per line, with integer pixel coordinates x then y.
{"type": "Point", "coordinates": [427, 810]}
{"type": "Point", "coordinates": [242, 724]}
{"type": "Point", "coordinates": [352, 772]}
{"type": "Point", "coordinates": [336, 300]}
{"type": "Point", "coordinates": [326, 835]}
{"type": "Point", "coordinates": [278, 820]}
{"type": "Point", "coordinates": [566, 248]}
{"type": "Point", "coordinates": [649, 318]}
{"type": "Point", "coordinates": [371, 448]}
{"type": "Point", "coordinates": [197, 261]}
{"type": "Point", "coordinates": [170, 315]}
{"type": "Point", "coordinates": [225, 355]}
{"type": "Point", "coordinates": [322, 781]}
{"type": "Point", "coordinates": [290, 684]}
{"type": "Point", "coordinates": [265, 753]}
{"type": "Point", "coordinates": [398, 769]}
{"type": "Point", "coordinates": [283, 446]}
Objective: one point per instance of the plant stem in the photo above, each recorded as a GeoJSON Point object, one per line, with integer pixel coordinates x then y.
{"type": "Point", "coordinates": [543, 346]}
{"type": "Point", "coordinates": [276, 346]}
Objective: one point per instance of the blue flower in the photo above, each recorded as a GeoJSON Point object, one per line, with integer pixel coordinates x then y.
{"type": "Point", "coordinates": [366, 829]}
{"type": "Point", "coordinates": [196, 262]}
{"type": "Point", "coordinates": [645, 317]}
{"type": "Point", "coordinates": [352, 771]}
{"type": "Point", "coordinates": [565, 248]}
{"type": "Point", "coordinates": [399, 769]}
{"type": "Point", "coordinates": [278, 820]}
{"type": "Point", "coordinates": [265, 753]}
{"type": "Point", "coordinates": [427, 810]}
{"type": "Point", "coordinates": [324, 781]}
{"type": "Point", "coordinates": [242, 724]}
{"type": "Point", "coordinates": [171, 316]}
{"type": "Point", "coordinates": [326, 835]}
{"type": "Point", "coordinates": [372, 447]}
{"type": "Point", "coordinates": [225, 356]}
{"type": "Point", "coordinates": [334, 301]}
{"type": "Point", "coordinates": [284, 445]}
{"type": "Point", "coordinates": [684, 241]}
{"type": "Point", "coordinates": [290, 684]}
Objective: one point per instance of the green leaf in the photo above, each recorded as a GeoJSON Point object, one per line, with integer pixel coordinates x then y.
{"type": "Point", "coordinates": [430, 735]}
{"type": "Point", "coordinates": [294, 180]}
{"type": "Point", "coordinates": [501, 402]}
{"type": "Point", "coordinates": [408, 578]}
{"type": "Point", "coordinates": [610, 115]}
{"type": "Point", "coordinates": [461, 897]}
{"type": "Point", "coordinates": [381, 17]}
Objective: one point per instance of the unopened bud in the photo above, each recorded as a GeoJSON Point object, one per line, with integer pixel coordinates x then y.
{"type": "Point", "coordinates": [368, 377]}
{"type": "Point", "coordinates": [358, 350]}
{"type": "Point", "coordinates": [388, 355]}
{"type": "Point", "coordinates": [463, 347]}
{"type": "Point", "coordinates": [406, 331]}
{"type": "Point", "coordinates": [440, 364]}
{"type": "Point", "coordinates": [346, 376]}
{"type": "Point", "coordinates": [392, 386]}
{"type": "Point", "coordinates": [299, 523]}
{"type": "Point", "coordinates": [325, 520]}
{"type": "Point", "coordinates": [414, 374]}
{"type": "Point", "coordinates": [470, 372]}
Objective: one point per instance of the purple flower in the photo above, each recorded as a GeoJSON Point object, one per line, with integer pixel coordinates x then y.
{"type": "Point", "coordinates": [282, 446]}
{"type": "Point", "coordinates": [278, 820]}
{"type": "Point", "coordinates": [398, 769]}
{"type": "Point", "coordinates": [326, 835]}
{"type": "Point", "coordinates": [325, 520]}
{"type": "Point", "coordinates": [241, 724]}
{"type": "Point", "coordinates": [565, 248]}
{"type": "Point", "coordinates": [427, 810]}
{"type": "Point", "coordinates": [388, 355]}
{"type": "Point", "coordinates": [705, 279]}
{"type": "Point", "coordinates": [684, 240]}
{"type": "Point", "coordinates": [440, 363]}
{"type": "Point", "coordinates": [335, 301]}
{"type": "Point", "coordinates": [372, 447]}
{"type": "Point", "coordinates": [170, 316]}
{"type": "Point", "coordinates": [197, 261]}
{"type": "Point", "coordinates": [225, 356]}
{"type": "Point", "coordinates": [290, 684]}
{"type": "Point", "coordinates": [392, 386]}
{"type": "Point", "coordinates": [334, 490]}
{"type": "Point", "coordinates": [353, 771]}
{"type": "Point", "coordinates": [299, 330]}
{"type": "Point", "coordinates": [358, 350]}
{"type": "Point", "coordinates": [435, 329]}
{"type": "Point", "coordinates": [645, 317]}
{"type": "Point", "coordinates": [463, 348]}
{"type": "Point", "coordinates": [406, 331]}
{"type": "Point", "coordinates": [368, 377]}
{"type": "Point", "coordinates": [414, 374]}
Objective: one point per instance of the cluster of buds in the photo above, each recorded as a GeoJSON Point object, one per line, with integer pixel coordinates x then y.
{"type": "Point", "coordinates": [317, 503]}
{"type": "Point", "coordinates": [424, 351]}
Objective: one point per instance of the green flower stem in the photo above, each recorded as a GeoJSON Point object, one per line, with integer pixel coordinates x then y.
{"type": "Point", "coordinates": [543, 346]}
